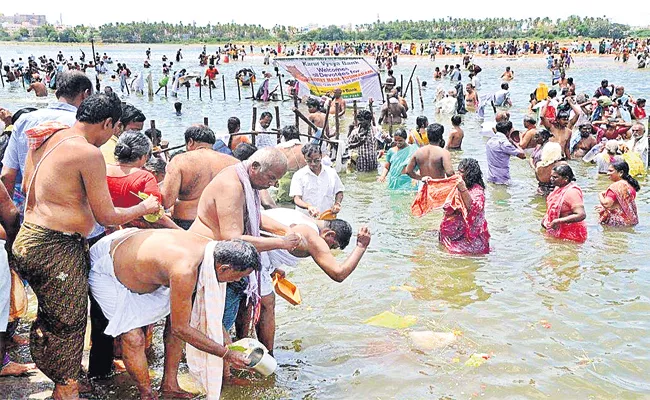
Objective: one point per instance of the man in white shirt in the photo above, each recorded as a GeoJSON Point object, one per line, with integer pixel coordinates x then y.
{"type": "Point", "coordinates": [316, 188]}
{"type": "Point", "coordinates": [265, 139]}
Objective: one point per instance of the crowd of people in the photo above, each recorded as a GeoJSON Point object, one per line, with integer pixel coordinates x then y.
{"type": "Point", "coordinates": [88, 199]}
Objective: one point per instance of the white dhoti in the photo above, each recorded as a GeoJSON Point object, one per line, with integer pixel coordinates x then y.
{"type": "Point", "coordinates": [124, 309]}
{"type": "Point", "coordinates": [5, 288]}
{"type": "Point", "coordinates": [207, 316]}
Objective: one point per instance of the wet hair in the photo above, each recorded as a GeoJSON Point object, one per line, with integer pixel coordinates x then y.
{"type": "Point", "coordinates": [640, 100]}
{"type": "Point", "coordinates": [290, 132]}
{"type": "Point", "coordinates": [21, 112]}
{"type": "Point", "coordinates": [342, 229]}
{"type": "Point", "coordinates": [309, 149]}
{"type": "Point", "coordinates": [243, 151]}
{"type": "Point", "coordinates": [563, 115]}
{"type": "Point", "coordinates": [266, 114]}
{"type": "Point", "coordinates": [150, 134]}
{"type": "Point", "coordinates": [505, 86]}
{"type": "Point", "coordinates": [401, 132]}
{"type": "Point", "coordinates": [200, 133]}
{"type": "Point", "coordinates": [98, 107]}
{"type": "Point", "coordinates": [313, 103]}
{"type": "Point", "coordinates": [569, 80]}
{"type": "Point", "coordinates": [565, 171]}
{"type": "Point", "coordinates": [604, 83]}
{"type": "Point", "coordinates": [131, 146]}
{"type": "Point", "coordinates": [178, 106]}
{"type": "Point", "coordinates": [269, 157]}
{"type": "Point", "coordinates": [434, 133]}
{"type": "Point", "coordinates": [71, 84]}
{"type": "Point", "coordinates": [455, 120]}
{"type": "Point", "coordinates": [240, 255]}
{"type": "Point", "coordinates": [552, 93]}
{"type": "Point", "coordinates": [131, 114]}
{"type": "Point", "coordinates": [530, 120]}
{"type": "Point", "coordinates": [504, 127]}
{"type": "Point", "coordinates": [472, 174]}
{"type": "Point", "coordinates": [156, 165]}
{"type": "Point", "coordinates": [624, 169]}
{"type": "Point", "coordinates": [421, 122]}
{"type": "Point", "coordinates": [544, 134]}
{"type": "Point", "coordinates": [233, 124]}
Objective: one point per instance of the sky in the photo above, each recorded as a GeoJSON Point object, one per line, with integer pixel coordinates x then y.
{"type": "Point", "coordinates": [269, 13]}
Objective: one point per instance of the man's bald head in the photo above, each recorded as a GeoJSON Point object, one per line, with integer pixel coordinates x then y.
{"type": "Point", "coordinates": [266, 167]}
{"type": "Point", "coordinates": [502, 116]}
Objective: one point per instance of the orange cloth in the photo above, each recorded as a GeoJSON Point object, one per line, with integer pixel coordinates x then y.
{"type": "Point", "coordinates": [37, 135]}
{"type": "Point", "coordinates": [435, 193]}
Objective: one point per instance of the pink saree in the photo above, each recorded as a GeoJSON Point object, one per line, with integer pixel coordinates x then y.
{"type": "Point", "coordinates": [624, 213]}
{"type": "Point", "coordinates": [466, 231]}
{"type": "Point", "coordinates": [571, 194]}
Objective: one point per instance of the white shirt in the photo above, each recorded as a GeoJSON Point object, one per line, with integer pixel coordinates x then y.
{"type": "Point", "coordinates": [265, 139]}
{"type": "Point", "coordinates": [319, 191]}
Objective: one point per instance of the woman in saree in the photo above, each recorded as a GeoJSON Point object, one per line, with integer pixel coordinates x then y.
{"type": "Point", "coordinates": [419, 134]}
{"type": "Point", "coordinates": [565, 212]}
{"type": "Point", "coordinates": [617, 206]}
{"type": "Point", "coordinates": [397, 158]}
{"type": "Point", "coordinates": [463, 229]}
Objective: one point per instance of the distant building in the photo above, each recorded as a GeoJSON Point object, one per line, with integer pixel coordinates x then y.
{"type": "Point", "coordinates": [22, 19]}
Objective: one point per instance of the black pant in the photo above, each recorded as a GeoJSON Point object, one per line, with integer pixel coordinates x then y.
{"type": "Point", "coordinates": [100, 364]}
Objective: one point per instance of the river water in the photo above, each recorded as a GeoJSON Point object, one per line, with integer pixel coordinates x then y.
{"type": "Point", "coordinates": [557, 320]}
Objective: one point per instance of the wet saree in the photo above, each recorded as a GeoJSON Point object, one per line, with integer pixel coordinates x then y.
{"type": "Point", "coordinates": [564, 197]}
{"type": "Point", "coordinates": [624, 212]}
{"type": "Point", "coordinates": [466, 231]}
{"type": "Point", "coordinates": [398, 159]}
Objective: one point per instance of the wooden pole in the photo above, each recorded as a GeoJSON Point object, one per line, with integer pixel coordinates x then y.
{"type": "Point", "coordinates": [200, 90]}
{"type": "Point", "coordinates": [417, 79]}
{"type": "Point", "coordinates": [337, 123]}
{"type": "Point", "coordinates": [412, 106]}
{"type": "Point", "coordinates": [210, 87]}
{"type": "Point", "coordinates": [165, 90]}
{"type": "Point", "coordinates": [223, 82]}
{"type": "Point", "coordinates": [277, 122]}
{"type": "Point", "coordinates": [253, 125]}
{"type": "Point", "coordinates": [401, 85]}
{"type": "Point", "coordinates": [281, 91]}
{"type": "Point", "coordinates": [354, 111]}
{"type": "Point", "coordinates": [411, 77]}
{"type": "Point", "coordinates": [188, 92]}
{"type": "Point", "coordinates": [295, 106]}
{"type": "Point", "coordinates": [92, 44]}
{"type": "Point", "coordinates": [1, 78]}
{"type": "Point", "coordinates": [381, 86]}
{"type": "Point", "coordinates": [23, 79]}
{"type": "Point", "coordinates": [252, 90]}
{"type": "Point", "coordinates": [206, 121]}
{"type": "Point", "coordinates": [238, 89]}
{"type": "Point", "coordinates": [154, 133]}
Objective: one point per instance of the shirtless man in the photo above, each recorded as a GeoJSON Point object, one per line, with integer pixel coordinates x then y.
{"type": "Point", "coordinates": [222, 212]}
{"type": "Point", "coordinates": [136, 284]}
{"type": "Point", "coordinates": [292, 149]}
{"type": "Point", "coordinates": [562, 127]}
{"type": "Point", "coordinates": [66, 194]}
{"type": "Point", "coordinates": [316, 116]}
{"type": "Point", "coordinates": [587, 141]}
{"type": "Point", "coordinates": [455, 135]}
{"type": "Point", "coordinates": [337, 99]}
{"type": "Point", "coordinates": [390, 81]}
{"type": "Point", "coordinates": [527, 140]}
{"type": "Point", "coordinates": [392, 112]}
{"type": "Point", "coordinates": [470, 98]}
{"type": "Point", "coordinates": [38, 87]}
{"type": "Point", "coordinates": [508, 75]}
{"type": "Point", "coordinates": [432, 160]}
{"type": "Point", "coordinates": [189, 173]}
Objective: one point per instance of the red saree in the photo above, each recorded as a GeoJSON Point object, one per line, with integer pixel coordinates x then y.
{"type": "Point", "coordinates": [563, 199]}
{"type": "Point", "coordinates": [466, 232]}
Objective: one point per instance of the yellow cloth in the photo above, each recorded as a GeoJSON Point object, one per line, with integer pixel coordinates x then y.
{"type": "Point", "coordinates": [108, 150]}
{"type": "Point", "coordinates": [634, 161]}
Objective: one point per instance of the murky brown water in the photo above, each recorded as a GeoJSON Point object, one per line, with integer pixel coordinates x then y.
{"type": "Point", "coordinates": [559, 320]}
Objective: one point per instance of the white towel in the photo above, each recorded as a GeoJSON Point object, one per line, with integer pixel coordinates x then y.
{"type": "Point", "coordinates": [207, 315]}
{"type": "Point", "coordinates": [124, 309]}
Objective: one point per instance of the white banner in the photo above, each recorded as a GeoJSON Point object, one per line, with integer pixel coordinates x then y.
{"type": "Point", "coordinates": [318, 76]}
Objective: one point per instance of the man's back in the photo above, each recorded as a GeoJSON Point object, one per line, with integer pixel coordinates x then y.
{"type": "Point", "coordinates": [188, 174]}
{"type": "Point", "coordinates": [59, 187]}
{"type": "Point", "coordinates": [433, 161]}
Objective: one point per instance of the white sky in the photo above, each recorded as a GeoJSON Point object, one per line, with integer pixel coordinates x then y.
{"type": "Point", "coordinates": [285, 12]}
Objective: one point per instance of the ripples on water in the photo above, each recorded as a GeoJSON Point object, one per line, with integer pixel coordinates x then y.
{"type": "Point", "coordinates": [592, 299]}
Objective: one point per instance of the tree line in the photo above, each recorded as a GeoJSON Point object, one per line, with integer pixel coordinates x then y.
{"type": "Point", "coordinates": [436, 29]}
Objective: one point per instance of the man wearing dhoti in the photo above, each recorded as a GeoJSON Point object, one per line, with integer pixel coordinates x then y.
{"type": "Point", "coordinates": [136, 285]}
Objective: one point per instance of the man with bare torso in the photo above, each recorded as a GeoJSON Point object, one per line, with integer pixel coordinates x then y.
{"type": "Point", "coordinates": [562, 127]}
{"type": "Point", "coordinates": [527, 140]}
{"type": "Point", "coordinates": [316, 116]}
{"type": "Point", "coordinates": [292, 149]}
{"type": "Point", "coordinates": [67, 191]}
{"type": "Point", "coordinates": [39, 88]}
{"type": "Point", "coordinates": [189, 173]}
{"type": "Point", "coordinates": [337, 99]}
{"type": "Point", "coordinates": [587, 141]}
{"type": "Point", "coordinates": [136, 284]}
{"type": "Point", "coordinates": [432, 160]}
{"type": "Point", "coordinates": [229, 209]}
{"type": "Point", "coordinates": [455, 140]}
